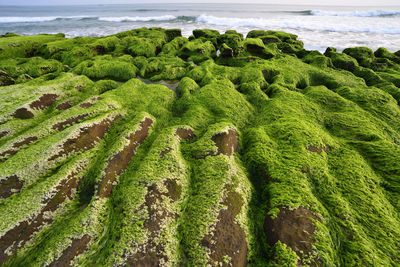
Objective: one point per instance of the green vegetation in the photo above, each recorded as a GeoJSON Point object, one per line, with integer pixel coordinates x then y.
{"type": "Point", "coordinates": [262, 154]}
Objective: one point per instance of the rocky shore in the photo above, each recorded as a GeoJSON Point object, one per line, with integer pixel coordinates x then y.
{"type": "Point", "coordinates": [146, 148]}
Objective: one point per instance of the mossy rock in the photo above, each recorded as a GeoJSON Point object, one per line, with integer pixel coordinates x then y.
{"type": "Point", "coordinates": [164, 68]}
{"type": "Point", "coordinates": [382, 52]}
{"type": "Point", "coordinates": [316, 58]}
{"type": "Point", "coordinates": [197, 51]}
{"type": "Point", "coordinates": [283, 36]}
{"type": "Point", "coordinates": [120, 150]}
{"type": "Point", "coordinates": [343, 61]}
{"type": "Point", "coordinates": [256, 47]}
{"type": "Point", "coordinates": [140, 47]}
{"type": "Point", "coordinates": [173, 47]}
{"type": "Point", "coordinates": [363, 55]}
{"type": "Point", "coordinates": [232, 40]}
{"type": "Point", "coordinates": [105, 45]}
{"type": "Point", "coordinates": [172, 34]}
{"type": "Point", "coordinates": [106, 67]}
{"type": "Point", "coordinates": [207, 35]}
{"type": "Point", "coordinates": [34, 67]}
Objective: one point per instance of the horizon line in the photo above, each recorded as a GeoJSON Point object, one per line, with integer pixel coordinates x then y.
{"type": "Point", "coordinates": [141, 3]}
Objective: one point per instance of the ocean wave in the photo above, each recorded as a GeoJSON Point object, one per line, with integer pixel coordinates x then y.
{"type": "Point", "coordinates": [124, 19]}
{"type": "Point", "coordinates": [40, 19]}
{"type": "Point", "coordinates": [371, 13]}
{"type": "Point", "coordinates": [25, 19]}
{"type": "Point", "coordinates": [152, 9]}
{"type": "Point", "coordinates": [297, 24]}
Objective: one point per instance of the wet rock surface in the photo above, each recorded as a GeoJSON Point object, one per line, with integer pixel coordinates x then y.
{"type": "Point", "coordinates": [293, 228]}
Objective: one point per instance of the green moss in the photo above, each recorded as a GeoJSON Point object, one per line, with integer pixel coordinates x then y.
{"type": "Point", "coordinates": [140, 47]}
{"type": "Point", "coordinates": [172, 34]}
{"type": "Point", "coordinates": [207, 35]}
{"type": "Point", "coordinates": [106, 67]}
{"type": "Point", "coordinates": [105, 45]}
{"type": "Point", "coordinates": [342, 61]}
{"type": "Point", "coordinates": [24, 46]}
{"type": "Point", "coordinates": [34, 67]}
{"type": "Point", "coordinates": [315, 131]}
{"type": "Point", "coordinates": [173, 47]}
{"type": "Point", "coordinates": [317, 59]}
{"type": "Point", "coordinates": [363, 55]}
{"type": "Point", "coordinates": [164, 68]}
{"type": "Point", "coordinates": [284, 256]}
{"type": "Point", "coordinates": [256, 47]}
{"type": "Point", "coordinates": [231, 40]}
{"type": "Point", "coordinates": [104, 86]}
{"type": "Point", "coordinates": [197, 51]}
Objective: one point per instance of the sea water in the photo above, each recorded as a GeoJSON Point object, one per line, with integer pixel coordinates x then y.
{"type": "Point", "coordinates": [317, 26]}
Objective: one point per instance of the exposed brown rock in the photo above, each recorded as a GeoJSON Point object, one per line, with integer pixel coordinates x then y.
{"type": "Point", "coordinates": [26, 141]}
{"type": "Point", "coordinates": [3, 134]}
{"type": "Point", "coordinates": [44, 101]}
{"type": "Point", "coordinates": [166, 151]}
{"type": "Point", "coordinates": [185, 134]}
{"type": "Point", "coordinates": [64, 105]}
{"type": "Point", "coordinates": [24, 231]}
{"type": "Point", "coordinates": [294, 228]}
{"type": "Point", "coordinates": [9, 186]}
{"type": "Point", "coordinates": [61, 125]}
{"type": "Point", "coordinates": [86, 105]}
{"type": "Point", "coordinates": [86, 139]}
{"type": "Point", "coordinates": [23, 113]}
{"type": "Point", "coordinates": [151, 254]}
{"type": "Point", "coordinates": [227, 53]}
{"type": "Point", "coordinates": [5, 79]}
{"type": "Point", "coordinates": [10, 152]}
{"type": "Point", "coordinates": [227, 143]}
{"type": "Point", "coordinates": [174, 190]}
{"type": "Point", "coordinates": [228, 238]}
{"type": "Point", "coordinates": [77, 247]}
{"type": "Point", "coordinates": [118, 163]}
{"type": "Point", "coordinates": [89, 104]}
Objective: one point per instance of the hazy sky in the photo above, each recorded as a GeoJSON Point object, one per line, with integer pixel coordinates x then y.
{"type": "Point", "coordinates": [289, 2]}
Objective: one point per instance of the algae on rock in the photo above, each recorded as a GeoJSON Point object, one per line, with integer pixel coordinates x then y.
{"type": "Point", "coordinates": [265, 154]}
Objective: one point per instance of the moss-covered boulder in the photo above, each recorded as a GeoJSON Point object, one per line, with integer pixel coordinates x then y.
{"type": "Point", "coordinates": [164, 68]}
{"type": "Point", "coordinates": [197, 51]}
{"type": "Point", "coordinates": [106, 67]}
{"type": "Point", "coordinates": [363, 55]}
{"type": "Point", "coordinates": [172, 34]}
{"type": "Point", "coordinates": [173, 47]}
{"type": "Point", "coordinates": [342, 61]}
{"type": "Point", "coordinates": [256, 47]}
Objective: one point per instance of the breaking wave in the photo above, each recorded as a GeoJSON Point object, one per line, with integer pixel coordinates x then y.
{"type": "Point", "coordinates": [371, 13]}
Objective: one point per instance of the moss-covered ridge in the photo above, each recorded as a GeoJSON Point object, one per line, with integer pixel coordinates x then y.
{"type": "Point", "coordinates": [146, 148]}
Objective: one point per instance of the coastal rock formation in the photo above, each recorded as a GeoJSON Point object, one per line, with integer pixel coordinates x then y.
{"type": "Point", "coordinates": [146, 148]}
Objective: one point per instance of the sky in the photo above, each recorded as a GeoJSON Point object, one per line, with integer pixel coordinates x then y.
{"type": "Point", "coordinates": [282, 2]}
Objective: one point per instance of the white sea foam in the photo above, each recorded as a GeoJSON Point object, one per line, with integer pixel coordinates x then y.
{"type": "Point", "coordinates": [121, 19]}
{"type": "Point", "coordinates": [25, 19]}
{"type": "Point", "coordinates": [371, 13]}
{"type": "Point", "coordinates": [37, 19]}
{"type": "Point", "coordinates": [299, 23]}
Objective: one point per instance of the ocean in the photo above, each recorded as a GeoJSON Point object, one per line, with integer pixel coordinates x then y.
{"type": "Point", "coordinates": [317, 26]}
